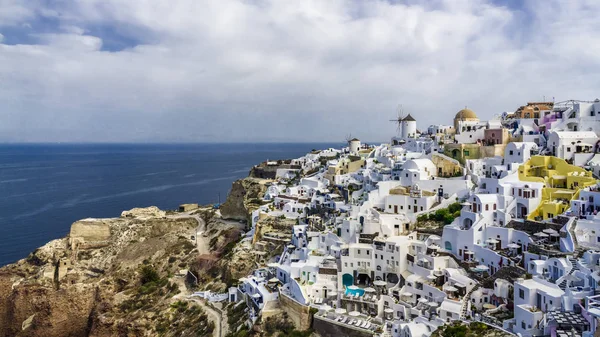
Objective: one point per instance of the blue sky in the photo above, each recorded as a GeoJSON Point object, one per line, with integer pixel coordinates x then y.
{"type": "Point", "coordinates": [266, 70]}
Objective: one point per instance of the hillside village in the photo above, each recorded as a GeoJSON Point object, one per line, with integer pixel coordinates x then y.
{"type": "Point", "coordinates": [492, 222]}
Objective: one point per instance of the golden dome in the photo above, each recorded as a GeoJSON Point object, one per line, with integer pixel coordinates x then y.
{"type": "Point", "coordinates": [465, 114]}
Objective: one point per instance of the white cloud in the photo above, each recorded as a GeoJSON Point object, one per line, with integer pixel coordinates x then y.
{"type": "Point", "coordinates": [285, 70]}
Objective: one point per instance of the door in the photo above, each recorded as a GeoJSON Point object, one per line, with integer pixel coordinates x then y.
{"type": "Point", "coordinates": [395, 209]}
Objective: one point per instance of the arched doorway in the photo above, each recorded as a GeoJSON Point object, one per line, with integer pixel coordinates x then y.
{"type": "Point", "coordinates": [347, 280]}
{"type": "Point", "coordinates": [448, 245]}
{"type": "Point", "coordinates": [392, 278]}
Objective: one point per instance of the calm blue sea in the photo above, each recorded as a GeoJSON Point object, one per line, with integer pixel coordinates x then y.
{"type": "Point", "coordinates": [45, 188]}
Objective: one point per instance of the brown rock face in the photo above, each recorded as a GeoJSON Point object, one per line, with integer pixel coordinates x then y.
{"type": "Point", "coordinates": [244, 198]}
{"type": "Point", "coordinates": [63, 312]}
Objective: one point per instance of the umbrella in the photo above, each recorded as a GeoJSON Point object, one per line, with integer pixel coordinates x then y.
{"type": "Point", "coordinates": [541, 235]}
{"type": "Point", "coordinates": [431, 277]}
{"type": "Point", "coordinates": [354, 313]}
{"type": "Point", "coordinates": [370, 290]}
{"type": "Point", "coordinates": [353, 287]}
{"type": "Point", "coordinates": [482, 267]}
{"type": "Point", "coordinates": [451, 288]}
{"type": "Point", "coordinates": [406, 293]}
{"type": "Point", "coordinates": [512, 245]}
{"type": "Point", "coordinates": [555, 235]}
{"type": "Point", "coordinates": [549, 231]}
{"type": "Point", "coordinates": [423, 300]}
{"type": "Point", "coordinates": [380, 283]}
{"type": "Point", "coordinates": [492, 241]}
{"type": "Point", "coordinates": [325, 307]}
{"type": "Point", "coordinates": [489, 306]}
{"type": "Point", "coordinates": [340, 311]}
{"type": "Point", "coordinates": [388, 310]}
{"type": "Point", "coordinates": [432, 304]}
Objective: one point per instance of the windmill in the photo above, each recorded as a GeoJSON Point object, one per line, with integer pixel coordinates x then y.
{"type": "Point", "coordinates": [399, 118]}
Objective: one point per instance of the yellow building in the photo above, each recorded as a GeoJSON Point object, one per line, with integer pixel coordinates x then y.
{"type": "Point", "coordinates": [446, 166]}
{"type": "Point", "coordinates": [344, 166]}
{"type": "Point", "coordinates": [562, 183]}
{"type": "Point", "coordinates": [533, 110]}
{"type": "Point", "coordinates": [462, 152]}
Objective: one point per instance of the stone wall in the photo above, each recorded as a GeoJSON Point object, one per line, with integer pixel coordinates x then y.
{"type": "Point", "coordinates": [88, 231]}
{"type": "Point", "coordinates": [299, 314]}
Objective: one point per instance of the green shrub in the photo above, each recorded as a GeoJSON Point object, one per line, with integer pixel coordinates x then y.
{"type": "Point", "coordinates": [148, 274]}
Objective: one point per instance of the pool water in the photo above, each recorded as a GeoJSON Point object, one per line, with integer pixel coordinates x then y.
{"type": "Point", "coordinates": [355, 292]}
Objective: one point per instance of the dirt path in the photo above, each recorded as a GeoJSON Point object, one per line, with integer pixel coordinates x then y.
{"type": "Point", "coordinates": [221, 327]}
{"type": "Point", "coordinates": [201, 241]}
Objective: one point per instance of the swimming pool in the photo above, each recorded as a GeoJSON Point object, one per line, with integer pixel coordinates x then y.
{"type": "Point", "coordinates": [355, 292]}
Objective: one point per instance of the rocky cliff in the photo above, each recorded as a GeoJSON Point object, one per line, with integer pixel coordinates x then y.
{"type": "Point", "coordinates": [245, 197]}
{"type": "Point", "coordinates": [113, 277]}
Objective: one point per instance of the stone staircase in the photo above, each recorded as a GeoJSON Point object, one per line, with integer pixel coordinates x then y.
{"type": "Point", "coordinates": [466, 301]}
{"type": "Point", "coordinates": [573, 259]}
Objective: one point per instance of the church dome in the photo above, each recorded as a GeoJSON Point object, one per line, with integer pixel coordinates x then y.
{"type": "Point", "coordinates": [466, 114]}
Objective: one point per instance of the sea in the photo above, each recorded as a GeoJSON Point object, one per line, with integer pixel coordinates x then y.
{"type": "Point", "coordinates": [45, 188]}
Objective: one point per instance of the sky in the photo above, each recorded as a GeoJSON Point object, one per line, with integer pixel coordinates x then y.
{"type": "Point", "coordinates": [279, 70]}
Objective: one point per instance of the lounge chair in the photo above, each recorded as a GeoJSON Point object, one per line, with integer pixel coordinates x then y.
{"type": "Point", "coordinates": [358, 323]}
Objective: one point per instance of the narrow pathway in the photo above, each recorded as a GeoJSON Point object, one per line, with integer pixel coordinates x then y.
{"type": "Point", "coordinates": [219, 319]}
{"type": "Point", "coordinates": [201, 241]}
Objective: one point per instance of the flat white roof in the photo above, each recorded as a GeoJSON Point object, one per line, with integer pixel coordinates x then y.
{"type": "Point", "coordinates": [534, 284]}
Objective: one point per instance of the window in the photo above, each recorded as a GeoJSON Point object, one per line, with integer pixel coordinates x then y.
{"type": "Point", "coordinates": [568, 149]}
{"type": "Point", "coordinates": [510, 152]}
{"type": "Point", "coordinates": [358, 252]}
{"type": "Point", "coordinates": [375, 255]}
{"type": "Point", "coordinates": [390, 206]}
{"type": "Point", "coordinates": [523, 326]}
{"type": "Point", "coordinates": [368, 252]}
{"type": "Point", "coordinates": [494, 207]}
{"type": "Point", "coordinates": [521, 294]}
{"type": "Point", "coordinates": [345, 264]}
{"type": "Point", "coordinates": [487, 207]}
